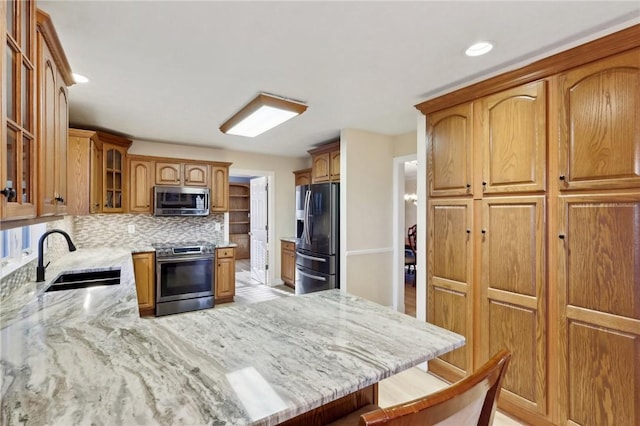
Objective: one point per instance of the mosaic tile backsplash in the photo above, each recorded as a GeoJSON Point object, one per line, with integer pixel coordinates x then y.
{"type": "Point", "coordinates": [111, 230]}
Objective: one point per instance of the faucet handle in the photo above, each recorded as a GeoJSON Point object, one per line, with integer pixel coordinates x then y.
{"type": "Point", "coordinates": [47, 265]}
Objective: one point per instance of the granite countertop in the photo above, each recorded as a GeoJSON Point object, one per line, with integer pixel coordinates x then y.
{"type": "Point", "coordinates": [288, 239]}
{"type": "Point", "coordinates": [85, 356]}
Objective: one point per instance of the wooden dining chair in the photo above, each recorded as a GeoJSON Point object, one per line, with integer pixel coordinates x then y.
{"type": "Point", "coordinates": [470, 401]}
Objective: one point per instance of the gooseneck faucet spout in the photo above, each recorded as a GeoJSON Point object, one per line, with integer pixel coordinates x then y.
{"type": "Point", "coordinates": [41, 266]}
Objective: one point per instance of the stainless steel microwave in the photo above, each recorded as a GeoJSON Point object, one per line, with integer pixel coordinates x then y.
{"type": "Point", "coordinates": [180, 201]}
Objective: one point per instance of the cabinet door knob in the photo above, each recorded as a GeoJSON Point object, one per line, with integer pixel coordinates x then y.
{"type": "Point", "coordinates": [468, 231]}
{"type": "Point", "coordinates": [60, 199]}
{"type": "Point", "coordinates": [561, 177]}
{"type": "Point", "coordinates": [561, 236]}
{"type": "Point", "coordinates": [484, 231]}
{"type": "Point", "coordinates": [10, 193]}
{"type": "Point", "coordinates": [468, 185]}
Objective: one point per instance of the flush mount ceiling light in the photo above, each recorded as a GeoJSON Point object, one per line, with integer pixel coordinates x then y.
{"type": "Point", "coordinates": [479, 48]}
{"type": "Point", "coordinates": [261, 114]}
{"type": "Point", "coordinates": [79, 78]}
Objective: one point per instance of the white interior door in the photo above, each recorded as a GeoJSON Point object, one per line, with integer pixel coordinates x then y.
{"type": "Point", "coordinates": [259, 239]}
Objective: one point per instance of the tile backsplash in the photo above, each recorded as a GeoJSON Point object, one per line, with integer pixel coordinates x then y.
{"type": "Point", "coordinates": [112, 230]}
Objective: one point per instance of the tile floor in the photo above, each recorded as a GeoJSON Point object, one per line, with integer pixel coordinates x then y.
{"type": "Point", "coordinates": [404, 386]}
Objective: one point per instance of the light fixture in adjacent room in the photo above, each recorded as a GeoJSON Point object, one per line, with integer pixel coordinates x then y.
{"type": "Point", "coordinates": [479, 48]}
{"type": "Point", "coordinates": [79, 78]}
{"type": "Point", "coordinates": [261, 114]}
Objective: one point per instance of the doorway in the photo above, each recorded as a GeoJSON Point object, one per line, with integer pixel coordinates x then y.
{"type": "Point", "coordinates": [250, 209]}
{"type": "Point", "coordinates": [404, 216]}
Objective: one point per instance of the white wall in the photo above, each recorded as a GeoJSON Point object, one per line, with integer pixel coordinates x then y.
{"type": "Point", "coordinates": [282, 168]}
{"type": "Point", "coordinates": [366, 195]}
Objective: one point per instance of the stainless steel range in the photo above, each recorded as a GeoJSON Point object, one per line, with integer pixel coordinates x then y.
{"type": "Point", "coordinates": [185, 278]}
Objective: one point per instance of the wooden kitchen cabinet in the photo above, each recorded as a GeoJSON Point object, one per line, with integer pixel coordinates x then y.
{"type": "Point", "coordinates": [450, 155]}
{"type": "Point", "coordinates": [225, 275]}
{"type": "Point", "coordinates": [84, 172]}
{"type": "Point", "coordinates": [599, 147]}
{"type": "Point", "coordinates": [598, 245]}
{"type": "Point", "coordinates": [18, 114]}
{"type": "Point", "coordinates": [97, 166]}
{"type": "Point", "coordinates": [450, 280]}
{"type": "Point", "coordinates": [511, 127]}
{"type": "Point", "coordinates": [141, 178]}
{"type": "Point", "coordinates": [302, 177]}
{"type": "Point", "coordinates": [54, 75]}
{"type": "Point", "coordinates": [182, 174]}
{"type": "Point", "coordinates": [513, 308]}
{"type": "Point", "coordinates": [325, 162]}
{"type": "Point", "coordinates": [144, 271]}
{"type": "Point", "coordinates": [551, 271]}
{"type": "Point", "coordinates": [219, 201]}
{"type": "Point", "coordinates": [288, 262]}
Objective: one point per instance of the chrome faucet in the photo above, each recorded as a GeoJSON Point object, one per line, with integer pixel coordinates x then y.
{"type": "Point", "coordinates": [41, 267]}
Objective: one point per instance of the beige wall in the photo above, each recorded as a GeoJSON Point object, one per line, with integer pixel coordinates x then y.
{"type": "Point", "coordinates": [404, 144]}
{"type": "Point", "coordinates": [282, 168]}
{"type": "Point", "coordinates": [366, 177]}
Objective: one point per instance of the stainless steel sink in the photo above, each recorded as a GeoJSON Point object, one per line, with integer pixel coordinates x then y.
{"type": "Point", "coordinates": [74, 280]}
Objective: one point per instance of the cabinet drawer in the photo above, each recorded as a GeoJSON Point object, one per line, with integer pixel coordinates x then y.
{"type": "Point", "coordinates": [288, 245]}
{"type": "Point", "coordinates": [225, 252]}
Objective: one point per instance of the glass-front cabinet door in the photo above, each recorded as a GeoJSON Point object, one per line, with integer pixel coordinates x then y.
{"type": "Point", "coordinates": [114, 162]}
{"type": "Point", "coordinates": [17, 167]}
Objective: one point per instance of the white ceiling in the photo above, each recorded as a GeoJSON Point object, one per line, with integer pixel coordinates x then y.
{"type": "Point", "coordinates": [173, 71]}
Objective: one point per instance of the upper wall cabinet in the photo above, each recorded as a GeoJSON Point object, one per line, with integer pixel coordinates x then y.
{"type": "Point", "coordinates": [325, 163]}
{"type": "Point", "coordinates": [97, 165]}
{"type": "Point", "coordinates": [54, 75]}
{"type": "Point", "coordinates": [599, 124]}
{"type": "Point", "coordinates": [450, 154]}
{"type": "Point", "coordinates": [219, 201]}
{"type": "Point", "coordinates": [302, 177]}
{"type": "Point", "coordinates": [187, 174]}
{"type": "Point", "coordinates": [512, 129]}
{"type": "Point", "coordinates": [141, 177]}
{"type": "Point", "coordinates": [18, 178]}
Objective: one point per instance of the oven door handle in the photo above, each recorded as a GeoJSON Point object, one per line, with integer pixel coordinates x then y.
{"type": "Point", "coordinates": [183, 259]}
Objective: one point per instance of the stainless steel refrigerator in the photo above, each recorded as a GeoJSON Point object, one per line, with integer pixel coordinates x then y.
{"type": "Point", "coordinates": [317, 237]}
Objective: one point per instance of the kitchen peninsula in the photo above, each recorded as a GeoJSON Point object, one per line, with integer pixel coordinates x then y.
{"type": "Point", "coordinates": [86, 357]}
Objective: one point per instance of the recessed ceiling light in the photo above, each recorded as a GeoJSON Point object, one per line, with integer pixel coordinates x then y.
{"type": "Point", "coordinates": [80, 78]}
{"type": "Point", "coordinates": [479, 48]}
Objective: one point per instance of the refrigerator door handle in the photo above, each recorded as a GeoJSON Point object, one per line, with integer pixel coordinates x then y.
{"type": "Point", "coordinates": [307, 217]}
{"type": "Point", "coordinates": [313, 277]}
{"type": "Point", "coordinates": [319, 259]}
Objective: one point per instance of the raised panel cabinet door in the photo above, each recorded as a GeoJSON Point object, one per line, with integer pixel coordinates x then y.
{"type": "Point", "coordinates": [219, 199]}
{"type": "Point", "coordinates": [288, 263]}
{"type": "Point", "coordinates": [168, 173]}
{"type": "Point", "coordinates": [302, 177]}
{"type": "Point", "coordinates": [47, 136]}
{"type": "Point", "coordinates": [143, 266]}
{"type": "Point", "coordinates": [225, 280]}
{"type": "Point", "coordinates": [321, 168]}
{"type": "Point", "coordinates": [450, 280]}
{"type": "Point", "coordinates": [196, 175]}
{"type": "Point", "coordinates": [62, 132]}
{"type": "Point", "coordinates": [140, 186]}
{"type": "Point", "coordinates": [512, 127]}
{"type": "Point", "coordinates": [512, 297]}
{"type": "Point", "coordinates": [96, 177]}
{"type": "Point", "coordinates": [599, 301]}
{"type": "Point", "coordinates": [599, 124]}
{"type": "Point", "coordinates": [450, 151]}
{"type": "Point", "coordinates": [334, 159]}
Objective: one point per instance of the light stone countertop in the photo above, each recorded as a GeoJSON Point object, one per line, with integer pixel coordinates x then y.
{"type": "Point", "coordinates": [288, 239]}
{"type": "Point", "coordinates": [85, 357]}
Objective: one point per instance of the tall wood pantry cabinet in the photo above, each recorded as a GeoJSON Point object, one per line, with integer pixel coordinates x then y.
{"type": "Point", "coordinates": [534, 232]}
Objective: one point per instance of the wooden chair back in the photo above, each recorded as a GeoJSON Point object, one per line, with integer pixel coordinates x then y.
{"type": "Point", "coordinates": [411, 236]}
{"type": "Point", "coordinates": [471, 401]}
